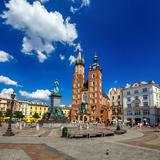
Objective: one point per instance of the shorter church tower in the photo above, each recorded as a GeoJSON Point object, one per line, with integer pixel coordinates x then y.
{"type": "Point", "coordinates": [95, 89]}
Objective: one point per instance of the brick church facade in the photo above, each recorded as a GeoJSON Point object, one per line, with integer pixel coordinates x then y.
{"type": "Point", "coordinates": [89, 102]}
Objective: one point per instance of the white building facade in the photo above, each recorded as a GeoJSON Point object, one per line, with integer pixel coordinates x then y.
{"type": "Point", "coordinates": [24, 107]}
{"type": "Point", "coordinates": [141, 103]}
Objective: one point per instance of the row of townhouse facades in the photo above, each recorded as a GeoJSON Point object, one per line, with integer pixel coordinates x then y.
{"type": "Point", "coordinates": [139, 102]}
{"type": "Point", "coordinates": [27, 108]}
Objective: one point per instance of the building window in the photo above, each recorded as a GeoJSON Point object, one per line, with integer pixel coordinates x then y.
{"type": "Point", "coordinates": [129, 112]}
{"type": "Point", "coordinates": [145, 97]}
{"type": "Point", "coordinates": [84, 98]}
{"type": "Point", "coordinates": [101, 111]}
{"type": "Point", "coordinates": [113, 104]}
{"type": "Point", "coordinates": [128, 92]}
{"type": "Point", "coordinates": [136, 98]}
{"type": "Point", "coordinates": [129, 99]}
{"type": "Point", "coordinates": [137, 112]}
{"type": "Point", "coordinates": [146, 112]}
{"type": "Point", "coordinates": [119, 103]}
{"type": "Point", "coordinates": [136, 92]}
{"type": "Point", "coordinates": [119, 96]}
{"type": "Point", "coordinates": [112, 97]}
{"type": "Point", "coordinates": [136, 104]}
{"type": "Point", "coordinates": [145, 104]}
{"type": "Point", "coordinates": [93, 75]}
{"type": "Point", "coordinates": [145, 89]}
{"type": "Point", "coordinates": [129, 105]}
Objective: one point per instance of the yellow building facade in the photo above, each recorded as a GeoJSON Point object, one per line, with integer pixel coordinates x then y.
{"type": "Point", "coordinates": [3, 104]}
{"type": "Point", "coordinates": [39, 108]}
{"type": "Point", "coordinates": [66, 111]}
{"type": "Point", "coordinates": [28, 108]}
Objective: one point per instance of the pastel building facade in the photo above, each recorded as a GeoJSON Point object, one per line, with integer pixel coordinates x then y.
{"type": "Point", "coordinates": [27, 108]}
{"type": "Point", "coordinates": [34, 107]}
{"type": "Point", "coordinates": [116, 98]}
{"type": "Point", "coordinates": [141, 102]}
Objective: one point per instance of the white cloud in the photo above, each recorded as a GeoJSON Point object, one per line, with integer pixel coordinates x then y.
{"type": "Point", "coordinates": [62, 57]}
{"type": "Point", "coordinates": [38, 94]}
{"type": "Point", "coordinates": [42, 57]}
{"type": "Point", "coordinates": [74, 10]}
{"type": "Point", "coordinates": [72, 59]}
{"type": "Point", "coordinates": [84, 3]}
{"type": "Point", "coordinates": [5, 57]}
{"type": "Point", "coordinates": [8, 81]}
{"type": "Point", "coordinates": [43, 1]}
{"type": "Point", "coordinates": [6, 93]}
{"type": "Point", "coordinates": [41, 28]}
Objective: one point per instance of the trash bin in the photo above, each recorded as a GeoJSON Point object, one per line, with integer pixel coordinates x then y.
{"type": "Point", "coordinates": [65, 132]}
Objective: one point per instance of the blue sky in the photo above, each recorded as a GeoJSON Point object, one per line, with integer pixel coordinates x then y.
{"type": "Point", "coordinates": [124, 34]}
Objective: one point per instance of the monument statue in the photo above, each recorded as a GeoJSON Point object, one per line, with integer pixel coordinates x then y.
{"type": "Point", "coordinates": [58, 113]}
{"type": "Point", "coordinates": [83, 108]}
{"type": "Point", "coordinates": [56, 87]}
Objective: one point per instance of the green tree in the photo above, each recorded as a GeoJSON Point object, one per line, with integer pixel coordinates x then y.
{"type": "Point", "coordinates": [18, 114]}
{"type": "Point", "coordinates": [8, 113]}
{"type": "Point", "coordinates": [36, 115]}
{"type": "Point", "coordinates": [46, 116]}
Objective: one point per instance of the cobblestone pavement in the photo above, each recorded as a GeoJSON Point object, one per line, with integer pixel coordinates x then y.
{"type": "Point", "coordinates": [13, 154]}
{"type": "Point", "coordinates": [117, 147]}
{"type": "Point", "coordinates": [26, 131]}
{"type": "Point", "coordinates": [144, 141]}
{"type": "Point", "coordinates": [30, 152]}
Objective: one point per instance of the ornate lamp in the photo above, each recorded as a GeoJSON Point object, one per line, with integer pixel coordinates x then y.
{"type": "Point", "coordinates": [9, 130]}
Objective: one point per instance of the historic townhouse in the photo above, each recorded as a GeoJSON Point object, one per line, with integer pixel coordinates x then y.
{"type": "Point", "coordinates": [141, 102]}
{"type": "Point", "coordinates": [116, 98]}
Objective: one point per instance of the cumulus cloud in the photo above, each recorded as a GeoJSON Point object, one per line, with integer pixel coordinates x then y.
{"type": "Point", "coordinates": [72, 59]}
{"type": "Point", "coordinates": [38, 94]}
{"type": "Point", "coordinates": [41, 28]}
{"type": "Point", "coordinates": [5, 57]}
{"type": "Point", "coordinates": [62, 57]}
{"type": "Point", "coordinates": [43, 1]}
{"type": "Point", "coordinates": [84, 3]}
{"type": "Point", "coordinates": [6, 93]}
{"type": "Point", "coordinates": [8, 81]}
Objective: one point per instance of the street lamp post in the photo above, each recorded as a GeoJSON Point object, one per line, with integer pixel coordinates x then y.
{"type": "Point", "coordinates": [9, 130]}
{"type": "Point", "coordinates": [118, 126]}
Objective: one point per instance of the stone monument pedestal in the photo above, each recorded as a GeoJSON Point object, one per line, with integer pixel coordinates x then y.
{"type": "Point", "coordinates": [55, 102]}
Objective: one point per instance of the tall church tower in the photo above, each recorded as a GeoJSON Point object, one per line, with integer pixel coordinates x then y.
{"type": "Point", "coordinates": [95, 90]}
{"type": "Point", "coordinates": [77, 85]}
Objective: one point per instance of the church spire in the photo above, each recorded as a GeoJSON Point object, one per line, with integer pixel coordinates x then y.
{"type": "Point", "coordinates": [80, 59]}
{"type": "Point", "coordinates": [95, 64]}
